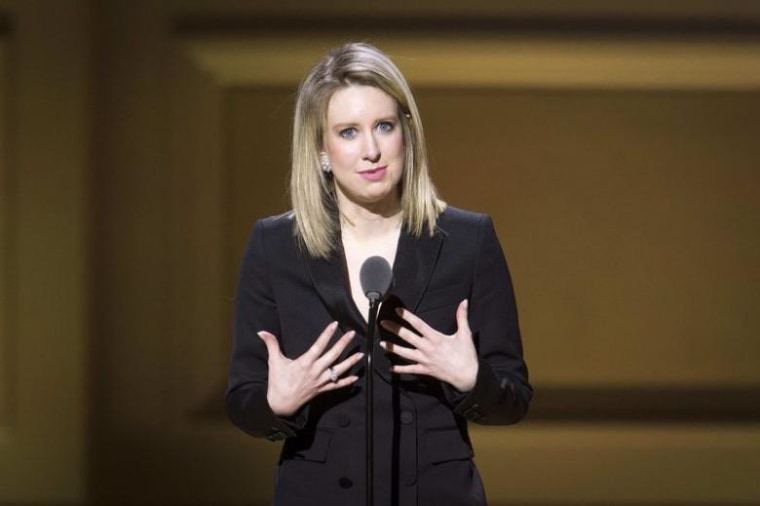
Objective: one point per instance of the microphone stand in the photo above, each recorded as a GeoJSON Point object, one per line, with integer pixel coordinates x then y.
{"type": "Point", "coordinates": [376, 277]}
{"type": "Point", "coordinates": [374, 304]}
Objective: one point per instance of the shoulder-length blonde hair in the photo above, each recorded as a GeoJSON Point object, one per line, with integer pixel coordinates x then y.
{"type": "Point", "coordinates": [312, 192]}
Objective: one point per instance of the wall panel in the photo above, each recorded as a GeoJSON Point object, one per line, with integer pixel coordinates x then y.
{"type": "Point", "coordinates": [629, 217]}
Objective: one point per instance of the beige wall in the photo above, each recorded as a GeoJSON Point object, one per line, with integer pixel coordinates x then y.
{"type": "Point", "coordinates": [139, 140]}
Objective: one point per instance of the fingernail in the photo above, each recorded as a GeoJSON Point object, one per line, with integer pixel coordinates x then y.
{"type": "Point", "coordinates": [382, 344]}
{"type": "Point", "coordinates": [399, 311]}
{"type": "Point", "coordinates": [260, 334]}
{"type": "Point", "coordinates": [351, 334]}
{"type": "Point", "coordinates": [465, 303]}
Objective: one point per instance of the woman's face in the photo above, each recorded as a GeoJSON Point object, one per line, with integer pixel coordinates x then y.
{"type": "Point", "coordinates": [364, 142]}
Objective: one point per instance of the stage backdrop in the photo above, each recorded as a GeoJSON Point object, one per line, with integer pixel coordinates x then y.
{"type": "Point", "coordinates": [614, 146]}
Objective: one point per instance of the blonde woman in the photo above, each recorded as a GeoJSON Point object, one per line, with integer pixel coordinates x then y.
{"type": "Point", "coordinates": [449, 347]}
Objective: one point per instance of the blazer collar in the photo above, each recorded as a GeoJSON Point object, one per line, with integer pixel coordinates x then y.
{"type": "Point", "coordinates": [412, 268]}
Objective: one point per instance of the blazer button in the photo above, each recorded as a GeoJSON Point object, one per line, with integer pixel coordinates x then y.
{"type": "Point", "coordinates": [407, 417]}
{"type": "Point", "coordinates": [344, 482]}
{"type": "Point", "coordinates": [473, 414]}
{"type": "Point", "coordinates": [343, 420]}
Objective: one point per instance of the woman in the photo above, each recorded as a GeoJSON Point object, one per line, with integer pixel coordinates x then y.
{"type": "Point", "coordinates": [450, 348]}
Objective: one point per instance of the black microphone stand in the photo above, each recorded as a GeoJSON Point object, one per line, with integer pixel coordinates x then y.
{"type": "Point", "coordinates": [376, 278]}
{"type": "Point", "coordinates": [374, 304]}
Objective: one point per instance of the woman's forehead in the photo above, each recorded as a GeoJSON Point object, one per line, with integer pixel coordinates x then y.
{"type": "Point", "coordinates": [354, 103]}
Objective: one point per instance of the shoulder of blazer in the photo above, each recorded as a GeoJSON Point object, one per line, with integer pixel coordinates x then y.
{"type": "Point", "coordinates": [276, 238]}
{"type": "Point", "coordinates": [278, 229]}
{"type": "Point", "coordinates": [454, 220]}
{"type": "Point", "coordinates": [278, 223]}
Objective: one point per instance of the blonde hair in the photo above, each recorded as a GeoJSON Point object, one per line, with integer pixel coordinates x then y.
{"type": "Point", "coordinates": [312, 192]}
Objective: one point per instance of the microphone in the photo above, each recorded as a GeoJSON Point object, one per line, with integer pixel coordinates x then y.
{"type": "Point", "coordinates": [376, 278]}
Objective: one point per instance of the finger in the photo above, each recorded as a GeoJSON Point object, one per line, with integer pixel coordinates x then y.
{"type": "Point", "coordinates": [341, 368]}
{"type": "Point", "coordinates": [463, 324]}
{"type": "Point", "coordinates": [402, 351]}
{"type": "Point", "coordinates": [270, 341]}
{"type": "Point", "coordinates": [320, 344]}
{"type": "Point", "coordinates": [333, 353]}
{"type": "Point", "coordinates": [347, 364]}
{"type": "Point", "coordinates": [416, 322]}
{"type": "Point", "coordinates": [410, 369]}
{"type": "Point", "coordinates": [404, 333]}
{"type": "Point", "coordinates": [341, 383]}
{"type": "Point", "coordinates": [330, 375]}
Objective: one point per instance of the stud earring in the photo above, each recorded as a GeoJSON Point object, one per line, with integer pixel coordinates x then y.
{"type": "Point", "coordinates": [324, 163]}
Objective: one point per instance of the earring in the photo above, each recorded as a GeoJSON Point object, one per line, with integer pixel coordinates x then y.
{"type": "Point", "coordinates": [324, 163]}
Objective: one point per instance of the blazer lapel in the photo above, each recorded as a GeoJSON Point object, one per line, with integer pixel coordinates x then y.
{"type": "Point", "coordinates": [414, 265]}
{"type": "Point", "coordinates": [329, 278]}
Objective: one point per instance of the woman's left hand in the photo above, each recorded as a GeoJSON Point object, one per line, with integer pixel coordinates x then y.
{"type": "Point", "coordinates": [449, 358]}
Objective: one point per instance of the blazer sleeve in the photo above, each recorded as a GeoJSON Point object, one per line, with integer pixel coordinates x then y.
{"type": "Point", "coordinates": [502, 391]}
{"type": "Point", "coordinates": [255, 310]}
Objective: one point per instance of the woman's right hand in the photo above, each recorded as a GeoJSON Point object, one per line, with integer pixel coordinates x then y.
{"type": "Point", "coordinates": [293, 383]}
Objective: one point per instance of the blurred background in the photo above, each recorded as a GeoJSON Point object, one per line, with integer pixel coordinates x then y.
{"type": "Point", "coordinates": [615, 144]}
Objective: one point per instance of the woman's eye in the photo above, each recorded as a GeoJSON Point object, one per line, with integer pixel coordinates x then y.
{"type": "Point", "coordinates": [385, 126]}
{"type": "Point", "coordinates": [348, 133]}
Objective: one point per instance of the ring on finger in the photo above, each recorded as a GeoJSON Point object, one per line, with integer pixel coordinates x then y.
{"type": "Point", "coordinates": [333, 374]}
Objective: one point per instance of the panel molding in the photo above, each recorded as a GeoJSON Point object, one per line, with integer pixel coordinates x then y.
{"type": "Point", "coordinates": [6, 376]}
{"type": "Point", "coordinates": [647, 405]}
{"type": "Point", "coordinates": [199, 305]}
{"type": "Point", "coordinates": [468, 60]}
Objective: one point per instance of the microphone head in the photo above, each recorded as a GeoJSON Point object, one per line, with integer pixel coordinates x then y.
{"type": "Point", "coordinates": [376, 277]}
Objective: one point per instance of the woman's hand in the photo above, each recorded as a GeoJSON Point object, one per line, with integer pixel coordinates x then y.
{"type": "Point", "coordinates": [452, 359]}
{"type": "Point", "coordinates": [293, 383]}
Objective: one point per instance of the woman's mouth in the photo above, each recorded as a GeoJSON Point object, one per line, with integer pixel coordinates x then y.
{"type": "Point", "coordinates": [375, 174]}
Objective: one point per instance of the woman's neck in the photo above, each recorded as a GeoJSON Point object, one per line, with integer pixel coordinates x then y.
{"type": "Point", "coordinates": [368, 227]}
{"type": "Point", "coordinates": [360, 223]}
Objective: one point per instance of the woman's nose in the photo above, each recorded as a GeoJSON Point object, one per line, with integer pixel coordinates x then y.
{"type": "Point", "coordinates": [372, 150]}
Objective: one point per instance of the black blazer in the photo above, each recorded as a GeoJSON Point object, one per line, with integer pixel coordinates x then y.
{"type": "Point", "coordinates": [422, 449]}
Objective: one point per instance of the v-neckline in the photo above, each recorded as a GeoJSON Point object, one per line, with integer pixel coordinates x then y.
{"type": "Point", "coordinates": [363, 311]}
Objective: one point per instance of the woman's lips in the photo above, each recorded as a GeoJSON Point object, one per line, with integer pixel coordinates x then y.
{"type": "Point", "coordinates": [374, 174]}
